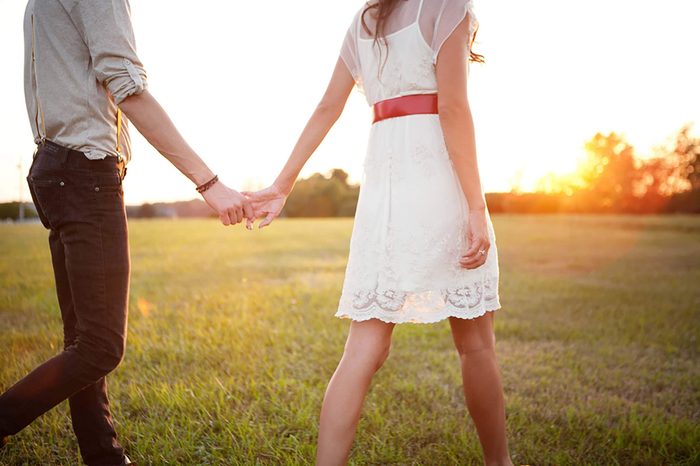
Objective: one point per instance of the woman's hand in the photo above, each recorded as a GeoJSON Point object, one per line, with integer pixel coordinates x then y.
{"type": "Point", "coordinates": [267, 203]}
{"type": "Point", "coordinates": [478, 240]}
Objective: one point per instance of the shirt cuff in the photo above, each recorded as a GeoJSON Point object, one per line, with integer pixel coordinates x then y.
{"type": "Point", "coordinates": [127, 80]}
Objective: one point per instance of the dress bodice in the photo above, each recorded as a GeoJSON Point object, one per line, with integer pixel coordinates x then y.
{"type": "Point", "coordinates": [404, 63]}
{"type": "Point", "coordinates": [404, 67]}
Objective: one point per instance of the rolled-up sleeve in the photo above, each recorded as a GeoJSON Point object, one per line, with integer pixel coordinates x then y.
{"type": "Point", "coordinates": [106, 29]}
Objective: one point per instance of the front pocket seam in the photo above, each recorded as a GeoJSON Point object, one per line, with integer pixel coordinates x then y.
{"type": "Point", "coordinates": [44, 183]}
{"type": "Point", "coordinates": [107, 189]}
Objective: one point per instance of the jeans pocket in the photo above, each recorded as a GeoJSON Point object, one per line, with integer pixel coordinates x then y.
{"type": "Point", "coordinates": [107, 183]}
{"type": "Point", "coordinates": [46, 194]}
{"type": "Point", "coordinates": [108, 193]}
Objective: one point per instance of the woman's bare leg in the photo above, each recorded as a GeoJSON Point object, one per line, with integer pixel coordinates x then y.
{"type": "Point", "coordinates": [475, 342]}
{"type": "Point", "coordinates": [366, 349]}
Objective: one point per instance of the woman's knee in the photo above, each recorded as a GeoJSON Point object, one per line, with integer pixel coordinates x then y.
{"type": "Point", "coordinates": [381, 353]}
{"type": "Point", "coordinates": [473, 335]}
{"type": "Point", "coordinates": [371, 357]}
{"type": "Point", "coordinates": [368, 347]}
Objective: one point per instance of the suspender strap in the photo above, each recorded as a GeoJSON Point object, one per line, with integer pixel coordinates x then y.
{"type": "Point", "coordinates": [119, 132]}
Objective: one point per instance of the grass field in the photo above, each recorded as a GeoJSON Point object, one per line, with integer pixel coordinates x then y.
{"type": "Point", "coordinates": [232, 341]}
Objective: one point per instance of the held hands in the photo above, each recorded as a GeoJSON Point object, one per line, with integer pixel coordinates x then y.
{"type": "Point", "coordinates": [478, 240]}
{"type": "Point", "coordinates": [267, 203]}
{"type": "Point", "coordinates": [231, 205]}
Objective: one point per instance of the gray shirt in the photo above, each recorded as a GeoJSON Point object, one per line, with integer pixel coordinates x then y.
{"type": "Point", "coordinates": [80, 62]}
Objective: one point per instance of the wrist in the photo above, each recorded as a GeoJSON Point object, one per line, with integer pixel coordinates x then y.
{"type": "Point", "coordinates": [478, 209]}
{"type": "Point", "coordinates": [204, 187]}
{"type": "Point", "coordinates": [202, 176]}
{"type": "Point", "coordinates": [283, 187]}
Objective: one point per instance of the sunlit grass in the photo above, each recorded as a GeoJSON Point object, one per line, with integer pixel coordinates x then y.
{"type": "Point", "coordinates": [232, 342]}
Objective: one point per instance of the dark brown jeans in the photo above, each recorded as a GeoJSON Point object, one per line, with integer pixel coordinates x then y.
{"type": "Point", "coordinates": [81, 202]}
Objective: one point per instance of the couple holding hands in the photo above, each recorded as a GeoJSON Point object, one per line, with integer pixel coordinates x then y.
{"type": "Point", "coordinates": [422, 249]}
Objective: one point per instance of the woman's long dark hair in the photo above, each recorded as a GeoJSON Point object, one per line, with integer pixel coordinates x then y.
{"type": "Point", "coordinates": [382, 11]}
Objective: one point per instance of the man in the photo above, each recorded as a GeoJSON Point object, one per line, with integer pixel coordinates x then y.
{"type": "Point", "coordinates": [81, 73]}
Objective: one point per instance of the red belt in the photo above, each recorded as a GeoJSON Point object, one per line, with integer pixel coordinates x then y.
{"type": "Point", "coordinates": [416, 104]}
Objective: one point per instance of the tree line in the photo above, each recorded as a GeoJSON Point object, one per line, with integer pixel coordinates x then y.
{"type": "Point", "coordinates": [319, 195]}
{"type": "Point", "coordinates": [612, 178]}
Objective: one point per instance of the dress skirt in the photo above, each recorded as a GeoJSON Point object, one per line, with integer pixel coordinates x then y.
{"type": "Point", "coordinates": [411, 230]}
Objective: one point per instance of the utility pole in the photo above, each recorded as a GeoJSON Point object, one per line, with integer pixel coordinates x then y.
{"type": "Point", "coordinates": [20, 217]}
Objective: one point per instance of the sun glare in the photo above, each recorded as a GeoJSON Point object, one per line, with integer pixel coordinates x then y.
{"type": "Point", "coordinates": [536, 100]}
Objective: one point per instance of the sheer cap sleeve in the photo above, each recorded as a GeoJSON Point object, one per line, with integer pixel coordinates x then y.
{"type": "Point", "coordinates": [348, 52]}
{"type": "Point", "coordinates": [449, 15]}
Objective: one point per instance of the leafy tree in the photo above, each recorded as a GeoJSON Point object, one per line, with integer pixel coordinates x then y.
{"type": "Point", "coordinates": [687, 152]}
{"type": "Point", "coordinates": [323, 196]}
{"type": "Point", "coordinates": [609, 174]}
{"type": "Point", "coordinates": [670, 178]}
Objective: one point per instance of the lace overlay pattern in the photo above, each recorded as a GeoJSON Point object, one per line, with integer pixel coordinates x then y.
{"type": "Point", "coordinates": [410, 231]}
{"type": "Point", "coordinates": [466, 302]}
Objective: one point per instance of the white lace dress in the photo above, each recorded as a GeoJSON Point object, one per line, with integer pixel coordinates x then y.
{"type": "Point", "coordinates": [411, 222]}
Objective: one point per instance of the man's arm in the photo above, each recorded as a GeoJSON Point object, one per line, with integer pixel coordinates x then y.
{"type": "Point", "coordinates": [144, 111]}
{"type": "Point", "coordinates": [149, 118]}
{"type": "Point", "coordinates": [105, 26]}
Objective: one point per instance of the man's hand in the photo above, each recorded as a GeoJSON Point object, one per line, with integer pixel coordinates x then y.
{"type": "Point", "coordinates": [231, 205]}
{"type": "Point", "coordinates": [267, 203]}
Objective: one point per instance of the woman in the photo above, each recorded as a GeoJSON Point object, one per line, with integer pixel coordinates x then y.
{"type": "Point", "coordinates": [422, 247]}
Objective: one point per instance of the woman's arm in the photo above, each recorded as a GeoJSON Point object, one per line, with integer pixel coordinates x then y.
{"type": "Point", "coordinates": [458, 128]}
{"type": "Point", "coordinates": [149, 118]}
{"type": "Point", "coordinates": [324, 117]}
{"type": "Point", "coordinates": [269, 202]}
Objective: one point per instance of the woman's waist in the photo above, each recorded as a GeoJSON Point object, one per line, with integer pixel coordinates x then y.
{"type": "Point", "coordinates": [410, 129]}
{"type": "Point", "coordinates": [414, 139]}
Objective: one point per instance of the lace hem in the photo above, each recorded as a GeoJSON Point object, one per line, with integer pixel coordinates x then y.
{"type": "Point", "coordinates": [418, 316]}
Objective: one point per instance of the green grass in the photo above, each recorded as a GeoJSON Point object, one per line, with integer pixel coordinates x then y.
{"type": "Point", "coordinates": [232, 341]}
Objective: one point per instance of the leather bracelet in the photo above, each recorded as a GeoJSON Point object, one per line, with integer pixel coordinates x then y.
{"type": "Point", "coordinates": [204, 187]}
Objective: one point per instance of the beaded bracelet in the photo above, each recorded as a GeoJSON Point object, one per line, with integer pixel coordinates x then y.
{"type": "Point", "coordinates": [203, 187]}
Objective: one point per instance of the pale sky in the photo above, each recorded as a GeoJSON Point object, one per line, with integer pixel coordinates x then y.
{"type": "Point", "coordinates": [240, 78]}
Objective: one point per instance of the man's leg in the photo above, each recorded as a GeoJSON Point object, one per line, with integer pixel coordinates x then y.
{"type": "Point", "coordinates": [89, 408]}
{"type": "Point", "coordinates": [92, 228]}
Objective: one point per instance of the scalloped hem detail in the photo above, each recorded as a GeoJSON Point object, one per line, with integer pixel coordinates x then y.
{"type": "Point", "coordinates": [429, 319]}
